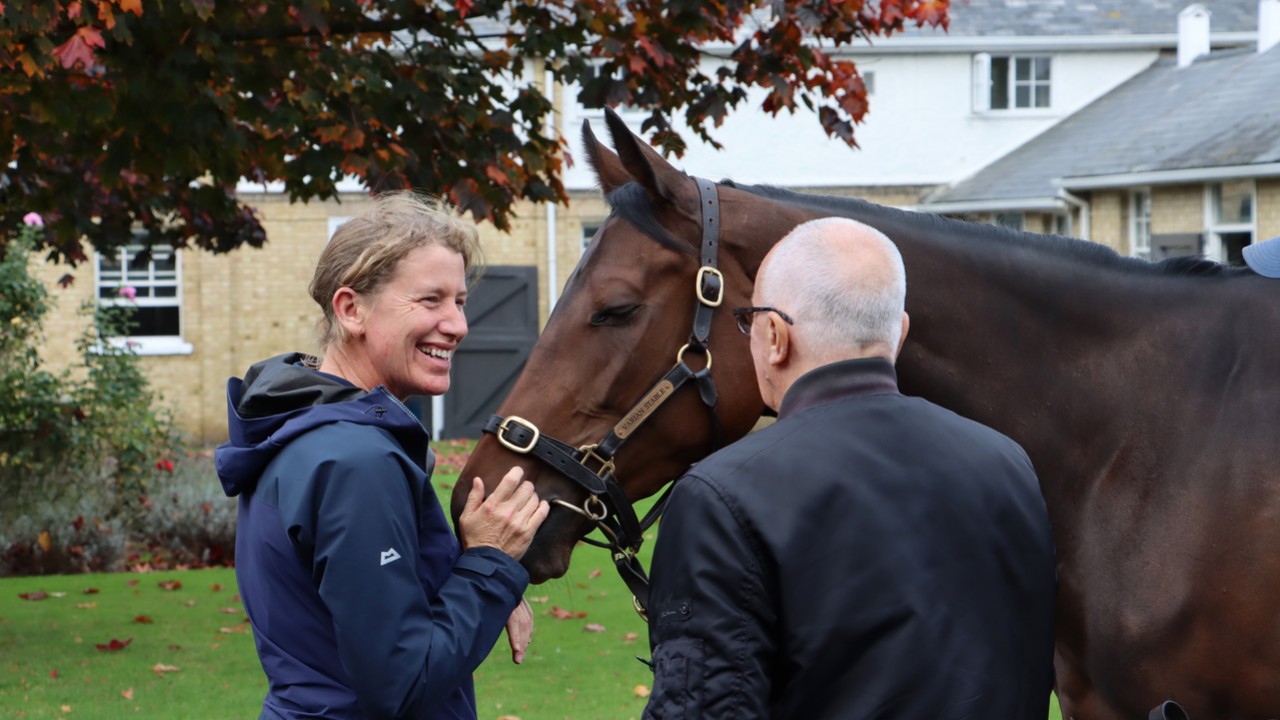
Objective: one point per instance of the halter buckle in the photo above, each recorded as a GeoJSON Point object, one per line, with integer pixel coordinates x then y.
{"type": "Point", "coordinates": [589, 453]}
{"type": "Point", "coordinates": [521, 422]}
{"type": "Point", "coordinates": [698, 284]}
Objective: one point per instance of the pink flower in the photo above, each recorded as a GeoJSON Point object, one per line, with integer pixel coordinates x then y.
{"type": "Point", "coordinates": [33, 219]}
{"type": "Point", "coordinates": [127, 291]}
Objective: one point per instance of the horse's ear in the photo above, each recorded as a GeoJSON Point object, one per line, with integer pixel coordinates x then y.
{"type": "Point", "coordinates": [643, 163]}
{"type": "Point", "coordinates": [604, 161]}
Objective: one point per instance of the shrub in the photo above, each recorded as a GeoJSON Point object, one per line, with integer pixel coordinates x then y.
{"type": "Point", "coordinates": [187, 520]}
{"type": "Point", "coordinates": [60, 539]}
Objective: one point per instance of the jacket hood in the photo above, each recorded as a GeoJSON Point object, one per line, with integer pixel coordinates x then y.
{"type": "Point", "coordinates": [281, 398]}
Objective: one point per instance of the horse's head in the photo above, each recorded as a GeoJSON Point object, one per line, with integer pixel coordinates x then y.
{"type": "Point", "coordinates": [626, 311]}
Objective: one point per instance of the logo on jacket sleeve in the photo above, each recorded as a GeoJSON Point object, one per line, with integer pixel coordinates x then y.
{"type": "Point", "coordinates": [388, 556]}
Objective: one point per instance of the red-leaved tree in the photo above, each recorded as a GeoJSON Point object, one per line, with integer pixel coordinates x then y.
{"type": "Point", "coordinates": [118, 114]}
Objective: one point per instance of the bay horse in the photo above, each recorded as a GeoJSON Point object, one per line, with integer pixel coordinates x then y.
{"type": "Point", "coordinates": [1143, 392]}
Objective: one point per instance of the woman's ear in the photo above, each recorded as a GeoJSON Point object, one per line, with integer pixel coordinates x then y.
{"type": "Point", "coordinates": [348, 311]}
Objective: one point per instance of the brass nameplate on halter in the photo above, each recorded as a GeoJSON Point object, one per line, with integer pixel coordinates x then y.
{"type": "Point", "coordinates": [643, 409]}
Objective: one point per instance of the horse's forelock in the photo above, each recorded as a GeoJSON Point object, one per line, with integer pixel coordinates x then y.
{"type": "Point", "coordinates": [631, 203]}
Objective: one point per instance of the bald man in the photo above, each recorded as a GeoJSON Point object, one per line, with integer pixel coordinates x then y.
{"type": "Point", "coordinates": [870, 555]}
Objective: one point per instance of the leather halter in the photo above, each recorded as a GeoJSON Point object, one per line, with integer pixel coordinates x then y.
{"type": "Point", "coordinates": [607, 505]}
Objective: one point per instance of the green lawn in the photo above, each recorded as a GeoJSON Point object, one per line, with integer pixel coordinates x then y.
{"type": "Point", "coordinates": [581, 667]}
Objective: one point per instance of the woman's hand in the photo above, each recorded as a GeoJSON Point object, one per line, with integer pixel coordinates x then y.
{"type": "Point", "coordinates": [507, 519]}
{"type": "Point", "coordinates": [520, 630]}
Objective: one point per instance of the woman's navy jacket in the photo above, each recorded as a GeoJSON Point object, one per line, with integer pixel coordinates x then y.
{"type": "Point", "coordinates": [361, 604]}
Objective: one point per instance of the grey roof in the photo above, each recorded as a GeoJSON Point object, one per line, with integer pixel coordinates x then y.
{"type": "Point", "coordinates": [1221, 111]}
{"type": "Point", "coordinates": [1099, 17]}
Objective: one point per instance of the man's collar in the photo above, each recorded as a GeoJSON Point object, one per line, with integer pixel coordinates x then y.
{"type": "Point", "coordinates": [847, 378]}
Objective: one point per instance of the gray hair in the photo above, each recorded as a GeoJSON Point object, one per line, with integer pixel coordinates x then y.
{"type": "Point", "coordinates": [365, 251]}
{"type": "Point", "coordinates": [839, 306]}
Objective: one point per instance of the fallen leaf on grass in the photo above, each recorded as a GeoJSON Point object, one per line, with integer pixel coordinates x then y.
{"type": "Point", "coordinates": [127, 694]}
{"type": "Point", "coordinates": [66, 708]}
{"type": "Point", "coordinates": [629, 638]}
{"type": "Point", "coordinates": [114, 645]}
{"type": "Point", "coordinates": [132, 582]}
{"type": "Point", "coordinates": [216, 587]}
{"type": "Point", "coordinates": [541, 599]}
{"type": "Point", "coordinates": [54, 673]}
{"type": "Point", "coordinates": [37, 595]}
{"type": "Point", "coordinates": [561, 614]}
{"type": "Point", "coordinates": [231, 611]}
{"type": "Point", "coordinates": [87, 606]}
{"type": "Point", "coordinates": [160, 669]}
{"type": "Point", "coordinates": [170, 585]}
{"type": "Point", "coordinates": [143, 619]}
{"type": "Point", "coordinates": [91, 591]}
{"type": "Point", "coordinates": [175, 647]}
{"type": "Point", "coordinates": [57, 594]}
{"type": "Point", "coordinates": [508, 717]}
{"type": "Point", "coordinates": [594, 574]}
{"type": "Point", "coordinates": [593, 627]}
{"type": "Point", "coordinates": [235, 629]}
{"type": "Point", "coordinates": [235, 598]}
{"type": "Point", "coordinates": [641, 690]}
{"type": "Point", "coordinates": [190, 603]}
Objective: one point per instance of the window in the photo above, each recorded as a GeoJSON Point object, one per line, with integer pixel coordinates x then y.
{"type": "Point", "coordinates": [155, 323]}
{"type": "Point", "coordinates": [1011, 82]}
{"type": "Point", "coordinates": [589, 230]}
{"type": "Point", "coordinates": [1140, 224]}
{"type": "Point", "coordinates": [1229, 209]}
{"type": "Point", "coordinates": [1013, 221]}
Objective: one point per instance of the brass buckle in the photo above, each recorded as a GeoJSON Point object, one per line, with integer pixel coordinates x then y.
{"type": "Point", "coordinates": [589, 453]}
{"type": "Point", "coordinates": [524, 424]}
{"type": "Point", "coordinates": [640, 609]}
{"type": "Point", "coordinates": [704, 271]}
{"type": "Point", "coordinates": [680, 355]}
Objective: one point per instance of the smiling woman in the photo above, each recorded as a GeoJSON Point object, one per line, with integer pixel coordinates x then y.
{"type": "Point", "coordinates": [363, 601]}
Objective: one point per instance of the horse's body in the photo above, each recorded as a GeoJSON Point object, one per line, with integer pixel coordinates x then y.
{"type": "Point", "coordinates": [1143, 394]}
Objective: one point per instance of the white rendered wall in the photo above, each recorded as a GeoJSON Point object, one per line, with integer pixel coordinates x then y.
{"type": "Point", "coordinates": [921, 128]}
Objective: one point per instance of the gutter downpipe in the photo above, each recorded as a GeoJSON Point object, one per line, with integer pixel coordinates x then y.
{"type": "Point", "coordinates": [553, 270]}
{"type": "Point", "coordinates": [1078, 203]}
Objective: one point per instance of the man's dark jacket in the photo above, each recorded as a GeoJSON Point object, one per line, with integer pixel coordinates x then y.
{"type": "Point", "coordinates": [870, 555]}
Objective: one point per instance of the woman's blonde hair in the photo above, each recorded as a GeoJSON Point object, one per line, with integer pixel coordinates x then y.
{"type": "Point", "coordinates": [365, 250]}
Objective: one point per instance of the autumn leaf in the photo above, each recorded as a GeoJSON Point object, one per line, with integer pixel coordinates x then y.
{"type": "Point", "coordinates": [114, 646]}
{"type": "Point", "coordinates": [91, 591]}
{"type": "Point", "coordinates": [216, 587]}
{"type": "Point", "coordinates": [175, 647]}
{"type": "Point", "coordinates": [66, 708]}
{"type": "Point", "coordinates": [190, 603]}
{"type": "Point", "coordinates": [54, 673]}
{"type": "Point", "coordinates": [641, 691]}
{"type": "Point", "coordinates": [160, 669]}
{"type": "Point", "coordinates": [539, 599]}
{"type": "Point", "coordinates": [170, 585]}
{"type": "Point", "coordinates": [87, 606]}
{"type": "Point", "coordinates": [79, 49]}
{"type": "Point", "coordinates": [561, 614]}
{"type": "Point", "coordinates": [629, 638]}
{"type": "Point", "coordinates": [57, 594]}
{"type": "Point", "coordinates": [127, 694]}
{"type": "Point", "coordinates": [133, 6]}
{"type": "Point", "coordinates": [44, 540]}
{"type": "Point", "coordinates": [594, 574]}
{"type": "Point", "coordinates": [132, 582]}
{"type": "Point", "coordinates": [235, 629]}
{"type": "Point", "coordinates": [37, 595]}
{"type": "Point", "coordinates": [143, 619]}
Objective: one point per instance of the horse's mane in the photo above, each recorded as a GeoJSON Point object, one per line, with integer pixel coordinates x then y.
{"type": "Point", "coordinates": [1071, 248]}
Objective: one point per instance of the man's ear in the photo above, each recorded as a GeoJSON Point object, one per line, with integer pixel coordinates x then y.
{"type": "Point", "coordinates": [906, 325]}
{"type": "Point", "coordinates": [778, 335]}
{"type": "Point", "coordinates": [348, 311]}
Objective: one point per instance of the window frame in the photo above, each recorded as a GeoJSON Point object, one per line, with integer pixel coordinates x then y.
{"type": "Point", "coordinates": [143, 344]}
{"type": "Point", "coordinates": [1140, 223]}
{"type": "Point", "coordinates": [984, 83]}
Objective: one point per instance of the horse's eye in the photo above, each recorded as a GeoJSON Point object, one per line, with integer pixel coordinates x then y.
{"type": "Point", "coordinates": [616, 315]}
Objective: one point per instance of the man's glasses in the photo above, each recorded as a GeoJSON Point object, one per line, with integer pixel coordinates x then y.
{"type": "Point", "coordinates": [745, 315]}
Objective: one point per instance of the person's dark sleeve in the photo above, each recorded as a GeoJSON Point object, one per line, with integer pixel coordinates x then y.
{"type": "Point", "coordinates": [710, 618]}
{"type": "Point", "coordinates": [404, 652]}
